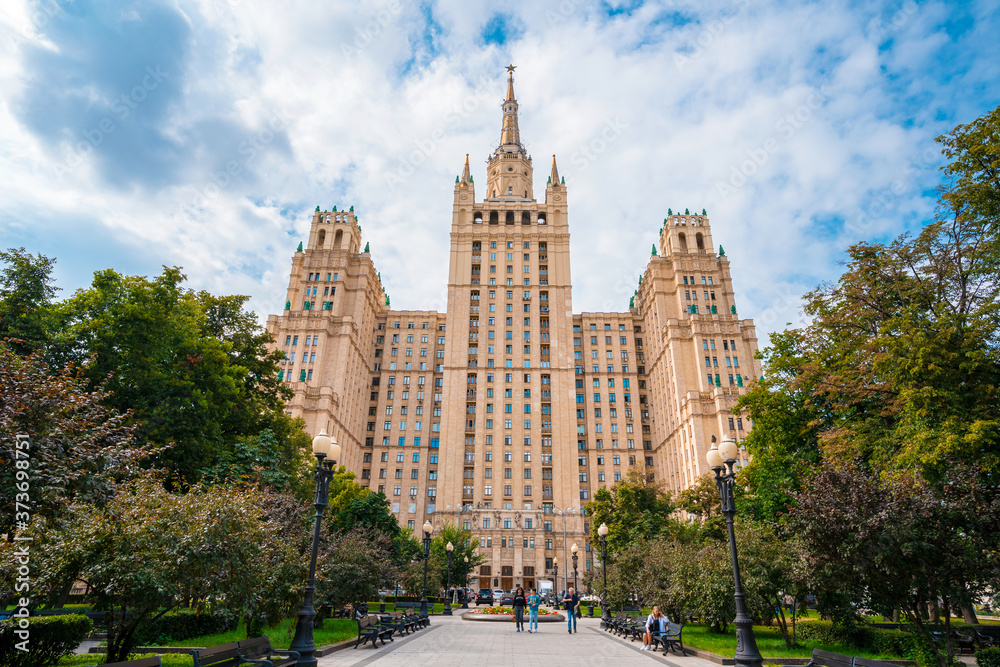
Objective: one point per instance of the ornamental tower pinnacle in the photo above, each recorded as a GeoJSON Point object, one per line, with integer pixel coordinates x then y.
{"type": "Point", "coordinates": [509, 168]}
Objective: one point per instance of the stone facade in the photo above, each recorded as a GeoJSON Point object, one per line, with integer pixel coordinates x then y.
{"type": "Point", "coordinates": [506, 413]}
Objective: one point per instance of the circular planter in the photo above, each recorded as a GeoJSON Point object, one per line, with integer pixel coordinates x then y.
{"type": "Point", "coordinates": [509, 618]}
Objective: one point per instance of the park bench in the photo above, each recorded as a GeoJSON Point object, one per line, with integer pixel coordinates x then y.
{"type": "Point", "coordinates": [259, 650]}
{"type": "Point", "coordinates": [223, 655]}
{"type": "Point", "coordinates": [960, 640]}
{"type": "Point", "coordinates": [985, 640]}
{"type": "Point", "coordinates": [868, 662]}
{"type": "Point", "coordinates": [415, 606]}
{"type": "Point", "coordinates": [369, 629]}
{"type": "Point", "coordinates": [671, 638]}
{"type": "Point", "coordinates": [606, 618]}
{"type": "Point", "coordinates": [396, 621]}
{"type": "Point", "coordinates": [827, 659]}
{"type": "Point", "coordinates": [144, 662]}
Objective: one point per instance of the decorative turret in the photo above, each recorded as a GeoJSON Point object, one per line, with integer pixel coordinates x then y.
{"type": "Point", "coordinates": [299, 249]}
{"type": "Point", "coordinates": [466, 174]}
{"type": "Point", "coordinates": [554, 177]}
{"type": "Point", "coordinates": [368, 248]}
{"type": "Point", "coordinates": [653, 253]}
{"type": "Point", "coordinates": [509, 169]}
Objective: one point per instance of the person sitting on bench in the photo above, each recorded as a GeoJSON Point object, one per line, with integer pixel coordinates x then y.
{"type": "Point", "coordinates": [655, 625]}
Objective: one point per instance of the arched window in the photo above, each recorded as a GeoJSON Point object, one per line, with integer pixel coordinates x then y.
{"type": "Point", "coordinates": [321, 238]}
{"type": "Point", "coordinates": [510, 217]}
{"type": "Point", "coordinates": [477, 218]}
{"type": "Point", "coordinates": [494, 218]}
{"type": "Point", "coordinates": [338, 239]}
{"type": "Point", "coordinates": [541, 219]}
{"type": "Point", "coordinates": [526, 218]}
{"type": "Point", "coordinates": [700, 240]}
{"type": "Point", "coordinates": [683, 241]}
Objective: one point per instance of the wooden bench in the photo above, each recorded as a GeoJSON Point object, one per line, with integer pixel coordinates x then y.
{"type": "Point", "coordinates": [369, 630]}
{"type": "Point", "coordinates": [868, 662]}
{"type": "Point", "coordinates": [259, 651]}
{"type": "Point", "coordinates": [144, 662]}
{"type": "Point", "coordinates": [397, 622]}
{"type": "Point", "coordinates": [827, 659]}
{"type": "Point", "coordinates": [415, 606]}
{"type": "Point", "coordinates": [223, 655]}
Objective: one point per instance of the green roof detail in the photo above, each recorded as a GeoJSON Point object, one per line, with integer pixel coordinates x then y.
{"type": "Point", "coordinates": [456, 178]}
{"type": "Point", "coordinates": [703, 212]}
{"type": "Point", "coordinates": [299, 249]}
{"type": "Point", "coordinates": [722, 252]}
{"type": "Point", "coordinates": [687, 212]}
{"type": "Point", "coordinates": [317, 208]}
{"type": "Point", "coordinates": [352, 208]}
{"type": "Point", "coordinates": [368, 247]}
{"type": "Point", "coordinates": [288, 305]}
{"type": "Point", "coordinates": [654, 250]}
{"type": "Point", "coordinates": [386, 299]}
{"type": "Point", "coordinates": [631, 302]}
{"type": "Point", "coordinates": [732, 309]}
{"type": "Point", "coordinates": [564, 180]}
{"type": "Point", "coordinates": [334, 209]}
{"type": "Point", "coordinates": [470, 178]}
{"type": "Point", "coordinates": [550, 180]}
{"type": "Point", "coordinates": [670, 211]}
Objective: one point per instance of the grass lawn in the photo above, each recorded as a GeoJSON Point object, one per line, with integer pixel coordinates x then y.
{"type": "Point", "coordinates": [333, 631]}
{"type": "Point", "coordinates": [168, 659]}
{"type": "Point", "coordinates": [391, 606]}
{"type": "Point", "coordinates": [769, 641]}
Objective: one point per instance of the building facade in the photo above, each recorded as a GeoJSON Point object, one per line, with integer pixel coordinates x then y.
{"type": "Point", "coordinates": [507, 412]}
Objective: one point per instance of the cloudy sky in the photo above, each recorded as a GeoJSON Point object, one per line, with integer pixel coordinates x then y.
{"type": "Point", "coordinates": [203, 133]}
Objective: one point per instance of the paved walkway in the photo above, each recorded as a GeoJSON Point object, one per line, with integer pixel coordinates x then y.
{"type": "Point", "coordinates": [452, 641]}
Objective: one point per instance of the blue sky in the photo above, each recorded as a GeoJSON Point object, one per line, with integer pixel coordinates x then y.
{"type": "Point", "coordinates": [203, 134]}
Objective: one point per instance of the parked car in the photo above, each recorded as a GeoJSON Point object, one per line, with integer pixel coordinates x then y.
{"type": "Point", "coordinates": [506, 598]}
{"type": "Point", "coordinates": [484, 596]}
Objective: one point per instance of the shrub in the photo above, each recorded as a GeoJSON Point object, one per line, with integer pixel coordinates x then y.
{"type": "Point", "coordinates": [50, 638]}
{"type": "Point", "coordinates": [177, 626]}
{"type": "Point", "coordinates": [883, 641]}
{"type": "Point", "coordinates": [988, 657]}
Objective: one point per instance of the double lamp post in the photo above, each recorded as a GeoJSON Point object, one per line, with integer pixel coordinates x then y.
{"type": "Point", "coordinates": [722, 460]}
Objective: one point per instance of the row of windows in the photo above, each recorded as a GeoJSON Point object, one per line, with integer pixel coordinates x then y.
{"type": "Point", "coordinates": [607, 341]}
{"type": "Point", "coordinates": [327, 291]}
{"type": "Point", "coordinates": [607, 327]}
{"type": "Point", "coordinates": [692, 295]}
{"type": "Point", "coordinates": [705, 280]}
{"type": "Point", "coordinates": [707, 344]}
{"type": "Point", "coordinates": [316, 276]}
{"type": "Point", "coordinates": [711, 362]}
{"type": "Point", "coordinates": [409, 325]}
{"type": "Point", "coordinates": [733, 380]}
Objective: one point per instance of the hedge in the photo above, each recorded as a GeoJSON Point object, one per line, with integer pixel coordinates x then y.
{"type": "Point", "coordinates": [411, 598]}
{"type": "Point", "coordinates": [896, 643]}
{"type": "Point", "coordinates": [184, 624]}
{"type": "Point", "coordinates": [988, 657]}
{"type": "Point", "coordinates": [49, 638]}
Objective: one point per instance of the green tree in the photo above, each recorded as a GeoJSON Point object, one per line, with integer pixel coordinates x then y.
{"type": "Point", "coordinates": [465, 545]}
{"type": "Point", "coordinates": [149, 550]}
{"type": "Point", "coordinates": [633, 508]}
{"type": "Point", "coordinates": [193, 368]}
{"type": "Point", "coordinates": [355, 565]}
{"type": "Point", "coordinates": [899, 542]}
{"type": "Point", "coordinates": [26, 295]}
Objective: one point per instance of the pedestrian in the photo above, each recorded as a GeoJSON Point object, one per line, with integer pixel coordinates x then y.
{"type": "Point", "coordinates": [534, 600]}
{"type": "Point", "coordinates": [570, 602]}
{"type": "Point", "coordinates": [655, 625]}
{"type": "Point", "coordinates": [520, 601]}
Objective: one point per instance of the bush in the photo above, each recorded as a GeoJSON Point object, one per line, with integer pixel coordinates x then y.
{"type": "Point", "coordinates": [177, 626]}
{"type": "Point", "coordinates": [883, 641]}
{"type": "Point", "coordinates": [988, 657]}
{"type": "Point", "coordinates": [50, 638]}
{"type": "Point", "coordinates": [411, 598]}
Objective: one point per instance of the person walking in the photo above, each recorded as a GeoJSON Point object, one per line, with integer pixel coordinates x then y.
{"type": "Point", "coordinates": [570, 601]}
{"type": "Point", "coordinates": [520, 602]}
{"type": "Point", "coordinates": [534, 600]}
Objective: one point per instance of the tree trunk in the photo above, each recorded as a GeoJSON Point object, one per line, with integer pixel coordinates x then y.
{"type": "Point", "coordinates": [933, 612]}
{"type": "Point", "coordinates": [895, 615]}
{"type": "Point", "coordinates": [969, 614]}
{"type": "Point", "coordinates": [63, 596]}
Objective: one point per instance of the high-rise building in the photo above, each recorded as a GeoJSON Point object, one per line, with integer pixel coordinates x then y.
{"type": "Point", "coordinates": [506, 413]}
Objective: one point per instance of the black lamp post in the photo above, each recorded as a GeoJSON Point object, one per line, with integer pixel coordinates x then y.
{"type": "Point", "coordinates": [576, 584]}
{"type": "Point", "coordinates": [465, 598]}
{"type": "Point", "coordinates": [428, 529]}
{"type": "Point", "coordinates": [449, 548]}
{"type": "Point", "coordinates": [603, 532]}
{"type": "Point", "coordinates": [722, 460]}
{"type": "Point", "coordinates": [327, 451]}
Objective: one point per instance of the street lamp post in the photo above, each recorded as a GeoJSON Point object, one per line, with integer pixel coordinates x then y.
{"type": "Point", "coordinates": [327, 452]}
{"type": "Point", "coordinates": [428, 529]}
{"type": "Point", "coordinates": [447, 598]}
{"type": "Point", "coordinates": [576, 584]}
{"type": "Point", "coordinates": [465, 598]}
{"type": "Point", "coordinates": [603, 532]}
{"type": "Point", "coordinates": [722, 460]}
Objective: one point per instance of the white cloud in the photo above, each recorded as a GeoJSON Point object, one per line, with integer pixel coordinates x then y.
{"type": "Point", "coordinates": [361, 90]}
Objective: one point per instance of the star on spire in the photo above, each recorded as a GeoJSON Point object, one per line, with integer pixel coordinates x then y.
{"type": "Point", "coordinates": [511, 68]}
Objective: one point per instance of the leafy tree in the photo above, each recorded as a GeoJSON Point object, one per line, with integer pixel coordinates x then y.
{"type": "Point", "coordinates": [633, 508]}
{"type": "Point", "coordinates": [149, 550]}
{"type": "Point", "coordinates": [26, 295]}
{"type": "Point", "coordinates": [891, 543]}
{"type": "Point", "coordinates": [193, 368]}
{"type": "Point", "coordinates": [465, 543]}
{"type": "Point", "coordinates": [79, 448]}
{"type": "Point", "coordinates": [356, 564]}
{"type": "Point", "coordinates": [370, 510]}
{"type": "Point", "coordinates": [703, 502]}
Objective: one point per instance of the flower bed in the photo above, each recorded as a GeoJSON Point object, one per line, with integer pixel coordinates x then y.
{"type": "Point", "coordinates": [509, 611]}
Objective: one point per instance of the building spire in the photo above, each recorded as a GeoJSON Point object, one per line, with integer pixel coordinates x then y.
{"type": "Point", "coordinates": [554, 177]}
{"type": "Point", "coordinates": [510, 135]}
{"type": "Point", "coordinates": [466, 174]}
